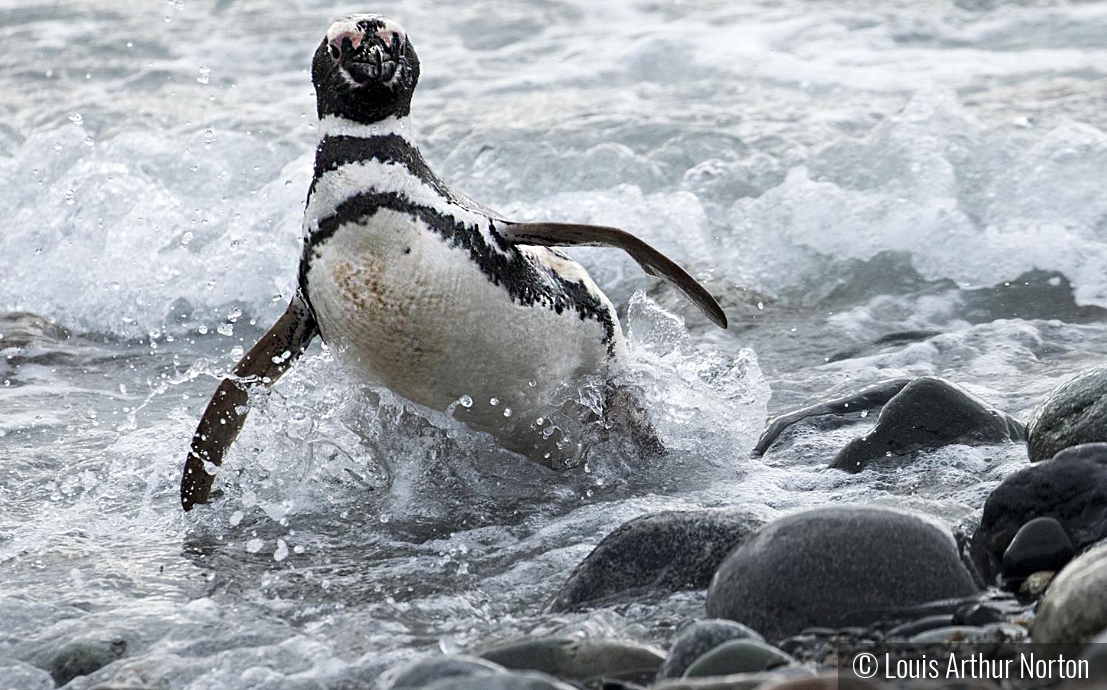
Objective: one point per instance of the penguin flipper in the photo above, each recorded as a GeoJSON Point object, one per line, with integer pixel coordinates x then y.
{"type": "Point", "coordinates": [266, 361]}
{"type": "Point", "coordinates": [652, 261]}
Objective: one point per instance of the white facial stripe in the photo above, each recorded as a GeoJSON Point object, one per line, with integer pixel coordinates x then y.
{"type": "Point", "coordinates": [336, 186]}
{"type": "Point", "coordinates": [335, 126]}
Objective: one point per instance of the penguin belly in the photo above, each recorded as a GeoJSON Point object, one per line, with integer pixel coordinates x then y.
{"type": "Point", "coordinates": [404, 309]}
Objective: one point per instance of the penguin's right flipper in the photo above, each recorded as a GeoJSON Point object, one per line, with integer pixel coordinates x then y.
{"type": "Point", "coordinates": [868, 398]}
{"type": "Point", "coordinates": [266, 361]}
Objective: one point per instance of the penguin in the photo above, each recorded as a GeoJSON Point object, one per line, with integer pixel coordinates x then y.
{"type": "Point", "coordinates": [419, 289]}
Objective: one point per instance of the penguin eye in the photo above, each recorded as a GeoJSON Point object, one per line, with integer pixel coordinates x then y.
{"type": "Point", "coordinates": [334, 51]}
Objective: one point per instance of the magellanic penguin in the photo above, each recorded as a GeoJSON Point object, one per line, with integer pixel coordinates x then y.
{"type": "Point", "coordinates": [416, 287]}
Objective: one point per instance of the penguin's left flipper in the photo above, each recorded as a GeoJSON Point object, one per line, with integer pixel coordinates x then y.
{"type": "Point", "coordinates": [652, 261]}
{"type": "Point", "coordinates": [266, 361]}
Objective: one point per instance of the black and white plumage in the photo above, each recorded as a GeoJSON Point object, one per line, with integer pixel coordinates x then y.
{"type": "Point", "coordinates": [415, 286]}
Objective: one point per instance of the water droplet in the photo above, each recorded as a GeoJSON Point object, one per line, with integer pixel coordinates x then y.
{"type": "Point", "coordinates": [254, 545]}
{"type": "Point", "coordinates": [203, 330]}
{"type": "Point", "coordinates": [209, 138]}
{"type": "Point", "coordinates": [864, 413]}
{"type": "Point", "coordinates": [493, 401]}
{"type": "Point", "coordinates": [234, 314]}
{"type": "Point", "coordinates": [226, 329]}
{"type": "Point", "coordinates": [186, 238]}
{"type": "Point", "coordinates": [70, 197]}
{"type": "Point", "coordinates": [236, 517]}
{"type": "Point", "coordinates": [760, 305]}
{"type": "Point", "coordinates": [465, 401]}
{"type": "Point", "coordinates": [282, 551]}
{"type": "Point", "coordinates": [532, 383]}
{"type": "Point", "coordinates": [89, 141]}
{"type": "Point", "coordinates": [507, 412]}
{"type": "Point", "coordinates": [205, 71]}
{"type": "Point", "coordinates": [76, 119]}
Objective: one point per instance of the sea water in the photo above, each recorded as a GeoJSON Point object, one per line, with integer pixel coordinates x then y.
{"type": "Point", "coordinates": [865, 187]}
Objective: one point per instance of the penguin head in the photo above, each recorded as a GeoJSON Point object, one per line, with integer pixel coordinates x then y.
{"type": "Point", "coordinates": [365, 69]}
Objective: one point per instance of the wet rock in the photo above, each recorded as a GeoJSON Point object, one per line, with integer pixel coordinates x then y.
{"type": "Point", "coordinates": [953, 633]}
{"type": "Point", "coordinates": [985, 613]}
{"type": "Point", "coordinates": [507, 681]}
{"type": "Point", "coordinates": [574, 659]}
{"type": "Point", "coordinates": [1035, 294]}
{"type": "Point", "coordinates": [83, 657]}
{"type": "Point", "coordinates": [912, 628]}
{"type": "Point", "coordinates": [1096, 654]}
{"type": "Point", "coordinates": [668, 551]}
{"type": "Point", "coordinates": [928, 413]}
{"type": "Point", "coordinates": [1071, 488]}
{"type": "Point", "coordinates": [1073, 414]}
{"type": "Point", "coordinates": [1040, 544]}
{"type": "Point", "coordinates": [1074, 608]}
{"type": "Point", "coordinates": [698, 638]}
{"type": "Point", "coordinates": [826, 682]}
{"type": "Point", "coordinates": [738, 656]}
{"type": "Point", "coordinates": [736, 681]}
{"type": "Point", "coordinates": [15, 674]}
{"type": "Point", "coordinates": [871, 397]}
{"type": "Point", "coordinates": [837, 566]}
{"type": "Point", "coordinates": [1036, 583]}
{"type": "Point", "coordinates": [424, 672]}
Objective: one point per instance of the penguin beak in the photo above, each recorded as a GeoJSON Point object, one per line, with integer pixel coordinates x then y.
{"type": "Point", "coordinates": [375, 55]}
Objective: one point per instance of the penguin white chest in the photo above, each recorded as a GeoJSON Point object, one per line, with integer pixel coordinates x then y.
{"type": "Point", "coordinates": [410, 310]}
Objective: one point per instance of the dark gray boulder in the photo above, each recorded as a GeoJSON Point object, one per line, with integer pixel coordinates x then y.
{"type": "Point", "coordinates": [577, 659]}
{"type": "Point", "coordinates": [664, 552]}
{"type": "Point", "coordinates": [83, 657]}
{"type": "Point", "coordinates": [928, 413]}
{"type": "Point", "coordinates": [738, 656]}
{"type": "Point", "coordinates": [698, 638]}
{"type": "Point", "coordinates": [1074, 608]}
{"type": "Point", "coordinates": [507, 681]}
{"type": "Point", "coordinates": [1040, 544]}
{"type": "Point", "coordinates": [1073, 414]}
{"type": "Point", "coordinates": [1071, 488]}
{"type": "Point", "coordinates": [426, 671]}
{"type": "Point", "coordinates": [837, 566]}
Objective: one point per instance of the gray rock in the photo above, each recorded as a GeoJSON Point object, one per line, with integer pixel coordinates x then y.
{"type": "Point", "coordinates": [664, 552]}
{"type": "Point", "coordinates": [928, 413]}
{"type": "Point", "coordinates": [1074, 608]}
{"type": "Point", "coordinates": [738, 656]}
{"type": "Point", "coordinates": [827, 682]}
{"type": "Point", "coordinates": [1073, 414]}
{"type": "Point", "coordinates": [1040, 544]}
{"type": "Point", "coordinates": [1071, 488]}
{"type": "Point", "coordinates": [426, 671]}
{"type": "Point", "coordinates": [1096, 654]}
{"type": "Point", "coordinates": [736, 681]}
{"type": "Point", "coordinates": [699, 638]}
{"type": "Point", "coordinates": [83, 657]}
{"type": "Point", "coordinates": [574, 659]}
{"type": "Point", "coordinates": [917, 627]}
{"type": "Point", "coordinates": [952, 633]}
{"type": "Point", "coordinates": [507, 681]}
{"type": "Point", "coordinates": [837, 566]}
